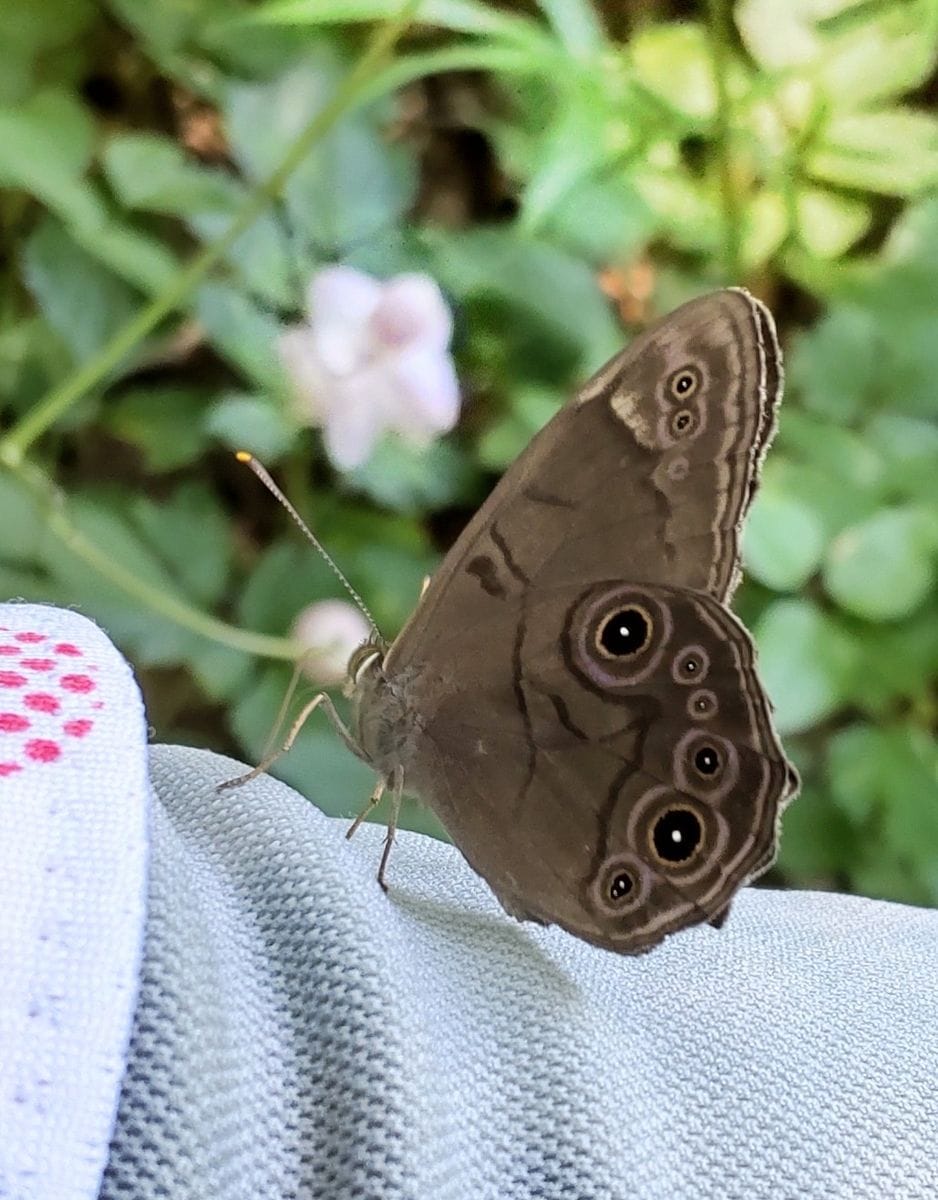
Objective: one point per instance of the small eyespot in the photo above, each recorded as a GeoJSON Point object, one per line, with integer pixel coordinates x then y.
{"type": "Point", "coordinates": [684, 383]}
{"type": "Point", "coordinates": [707, 761]}
{"type": "Point", "coordinates": [624, 633]}
{"type": "Point", "coordinates": [620, 886]}
{"type": "Point", "coordinates": [690, 665]}
{"type": "Point", "coordinates": [677, 835]}
{"type": "Point", "coordinates": [683, 422]}
{"type": "Point", "coordinates": [701, 705]}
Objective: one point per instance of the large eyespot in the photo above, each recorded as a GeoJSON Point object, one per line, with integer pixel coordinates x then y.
{"type": "Point", "coordinates": [677, 835]}
{"type": "Point", "coordinates": [705, 764]}
{"type": "Point", "coordinates": [615, 635]}
{"type": "Point", "coordinates": [684, 383]}
{"type": "Point", "coordinates": [625, 633]}
{"type": "Point", "coordinates": [690, 665]}
{"type": "Point", "coordinates": [702, 705]}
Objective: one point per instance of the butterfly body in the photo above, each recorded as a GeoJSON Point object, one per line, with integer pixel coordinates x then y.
{"type": "Point", "coordinates": [572, 696]}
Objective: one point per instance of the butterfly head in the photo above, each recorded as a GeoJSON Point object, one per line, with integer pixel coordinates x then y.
{"type": "Point", "coordinates": [365, 662]}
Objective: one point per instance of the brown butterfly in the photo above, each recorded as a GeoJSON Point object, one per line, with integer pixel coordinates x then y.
{"type": "Point", "coordinates": [572, 696]}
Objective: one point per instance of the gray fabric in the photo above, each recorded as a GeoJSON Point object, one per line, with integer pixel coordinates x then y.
{"type": "Point", "coordinates": [299, 1034]}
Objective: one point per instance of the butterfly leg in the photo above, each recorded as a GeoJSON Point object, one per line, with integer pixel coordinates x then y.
{"type": "Point", "coordinates": [308, 709]}
{"type": "Point", "coordinates": [373, 801]}
{"type": "Point", "coordinates": [396, 793]}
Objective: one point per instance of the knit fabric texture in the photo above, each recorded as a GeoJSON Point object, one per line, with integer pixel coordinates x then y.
{"type": "Point", "coordinates": [298, 1033]}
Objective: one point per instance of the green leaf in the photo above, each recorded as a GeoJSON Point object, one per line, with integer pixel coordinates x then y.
{"type": "Point", "coordinates": [22, 530]}
{"type": "Point", "coordinates": [883, 568]}
{"type": "Point", "coordinates": [151, 172]}
{"type": "Point", "coordinates": [664, 53]}
{"type": "Point", "coordinates": [840, 452]}
{"type": "Point", "coordinates": [162, 422]}
{"type": "Point", "coordinates": [241, 332]}
{"type": "Point", "coordinates": [853, 756]}
{"type": "Point", "coordinates": [783, 541]}
{"type": "Point", "coordinates": [190, 533]}
{"type": "Point", "coordinates": [892, 151]}
{"type": "Point", "coordinates": [254, 423]}
{"type": "Point", "coordinates": [805, 663]}
{"type": "Point", "coordinates": [459, 16]}
{"type": "Point", "coordinates": [576, 25]}
{"type": "Point", "coordinates": [411, 479]}
{"type": "Point", "coordinates": [45, 147]}
{"type": "Point", "coordinates": [828, 224]}
{"type": "Point", "coordinates": [816, 840]}
{"type": "Point", "coordinates": [880, 52]}
{"type": "Point", "coordinates": [136, 257]}
{"type": "Point", "coordinates": [900, 663]}
{"type": "Point", "coordinates": [531, 407]}
{"type": "Point", "coordinates": [833, 366]}
{"type": "Point", "coordinates": [83, 302]}
{"type": "Point", "coordinates": [530, 274]}
{"type": "Point", "coordinates": [352, 185]}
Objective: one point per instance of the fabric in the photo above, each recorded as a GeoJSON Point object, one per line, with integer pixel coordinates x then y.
{"type": "Point", "coordinates": [298, 1033]}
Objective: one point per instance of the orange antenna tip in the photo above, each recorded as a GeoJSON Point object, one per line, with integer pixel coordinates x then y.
{"type": "Point", "coordinates": [243, 456]}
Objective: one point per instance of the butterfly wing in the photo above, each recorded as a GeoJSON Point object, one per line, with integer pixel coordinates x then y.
{"type": "Point", "coordinates": [561, 785]}
{"type": "Point", "coordinates": [639, 475]}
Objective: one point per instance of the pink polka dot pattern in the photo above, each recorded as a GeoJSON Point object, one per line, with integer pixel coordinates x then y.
{"type": "Point", "coordinates": [38, 727]}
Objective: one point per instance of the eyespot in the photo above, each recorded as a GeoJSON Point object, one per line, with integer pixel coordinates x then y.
{"type": "Point", "coordinates": [702, 705]}
{"type": "Point", "coordinates": [705, 764]}
{"type": "Point", "coordinates": [684, 383]}
{"type": "Point", "coordinates": [707, 760]}
{"type": "Point", "coordinates": [620, 886]}
{"type": "Point", "coordinates": [683, 422]}
{"type": "Point", "coordinates": [690, 665]}
{"type": "Point", "coordinates": [625, 632]}
{"type": "Point", "coordinates": [677, 835]}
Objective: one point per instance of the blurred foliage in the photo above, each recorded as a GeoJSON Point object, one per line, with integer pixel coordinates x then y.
{"type": "Point", "coordinates": [566, 171]}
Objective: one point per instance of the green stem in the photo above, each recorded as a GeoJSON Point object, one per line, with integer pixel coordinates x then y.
{"type": "Point", "coordinates": [732, 216]}
{"type": "Point", "coordinates": [156, 599]}
{"type": "Point", "coordinates": [350, 92]}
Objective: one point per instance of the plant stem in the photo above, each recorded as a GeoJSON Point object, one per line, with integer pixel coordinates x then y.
{"type": "Point", "coordinates": [719, 14]}
{"type": "Point", "coordinates": [157, 599]}
{"type": "Point", "coordinates": [351, 91]}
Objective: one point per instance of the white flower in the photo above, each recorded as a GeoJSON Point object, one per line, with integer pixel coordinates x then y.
{"type": "Point", "coordinates": [372, 357]}
{"type": "Point", "coordinates": [329, 631]}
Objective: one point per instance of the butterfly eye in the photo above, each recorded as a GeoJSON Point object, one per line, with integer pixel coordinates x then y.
{"type": "Point", "coordinates": [677, 835]}
{"type": "Point", "coordinates": [684, 383]}
{"type": "Point", "coordinates": [691, 665]}
{"type": "Point", "coordinates": [620, 885]}
{"type": "Point", "coordinates": [625, 633]}
{"type": "Point", "coordinates": [707, 761]}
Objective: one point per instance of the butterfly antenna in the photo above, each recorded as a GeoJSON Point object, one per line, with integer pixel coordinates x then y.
{"type": "Point", "coordinates": [264, 476]}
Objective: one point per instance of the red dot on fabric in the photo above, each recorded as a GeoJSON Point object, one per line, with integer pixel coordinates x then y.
{"type": "Point", "coordinates": [8, 650]}
{"type": "Point", "coordinates": [42, 750]}
{"type": "Point", "coordinates": [69, 649]}
{"type": "Point", "coordinates": [11, 679]}
{"type": "Point", "coordinates": [78, 728]}
{"type": "Point", "coordinates": [41, 702]}
{"type": "Point", "coordinates": [13, 722]}
{"type": "Point", "coordinates": [37, 664]}
{"type": "Point", "coordinates": [9, 768]}
{"type": "Point", "coordinates": [77, 683]}
{"type": "Point", "coordinates": [30, 637]}
{"type": "Point", "coordinates": [98, 704]}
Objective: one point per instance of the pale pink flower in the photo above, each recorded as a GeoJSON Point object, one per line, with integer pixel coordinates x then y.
{"type": "Point", "coordinates": [329, 631]}
{"type": "Point", "coordinates": [372, 357]}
